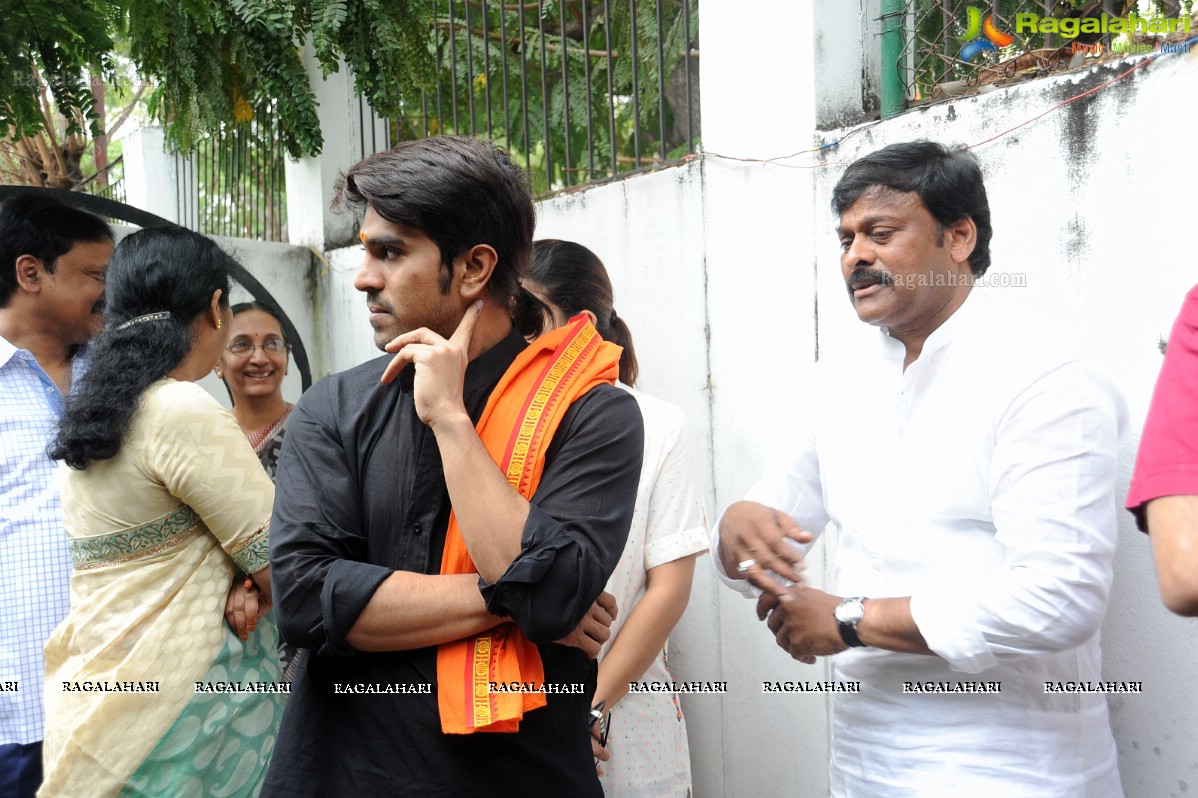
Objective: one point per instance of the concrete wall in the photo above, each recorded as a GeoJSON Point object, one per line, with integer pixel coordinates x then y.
{"type": "Point", "coordinates": [1088, 206]}
{"type": "Point", "coordinates": [713, 270]}
{"type": "Point", "coordinates": [650, 232]}
{"type": "Point", "coordinates": [846, 43]}
{"type": "Point", "coordinates": [346, 337]}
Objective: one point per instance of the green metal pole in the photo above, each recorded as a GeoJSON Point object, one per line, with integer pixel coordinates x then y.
{"type": "Point", "coordinates": [894, 92]}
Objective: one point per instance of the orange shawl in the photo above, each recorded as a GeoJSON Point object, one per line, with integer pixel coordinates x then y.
{"type": "Point", "coordinates": [517, 427]}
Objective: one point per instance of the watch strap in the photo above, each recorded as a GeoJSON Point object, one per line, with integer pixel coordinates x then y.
{"type": "Point", "coordinates": [848, 631]}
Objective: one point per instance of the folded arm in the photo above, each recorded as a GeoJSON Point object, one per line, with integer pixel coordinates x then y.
{"type": "Point", "coordinates": [434, 609]}
{"type": "Point", "coordinates": [578, 520]}
{"type": "Point", "coordinates": [330, 597]}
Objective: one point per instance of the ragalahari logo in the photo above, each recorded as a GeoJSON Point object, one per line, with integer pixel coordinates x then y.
{"type": "Point", "coordinates": [975, 44]}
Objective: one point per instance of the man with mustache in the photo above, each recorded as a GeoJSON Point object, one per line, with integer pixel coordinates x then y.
{"type": "Point", "coordinates": [966, 457]}
{"type": "Point", "coordinates": [444, 513]}
{"type": "Point", "coordinates": [52, 263]}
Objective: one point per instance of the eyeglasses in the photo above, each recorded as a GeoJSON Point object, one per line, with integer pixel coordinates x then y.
{"type": "Point", "coordinates": [272, 346]}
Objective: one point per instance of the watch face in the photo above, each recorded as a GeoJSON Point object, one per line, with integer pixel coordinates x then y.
{"type": "Point", "coordinates": [850, 611]}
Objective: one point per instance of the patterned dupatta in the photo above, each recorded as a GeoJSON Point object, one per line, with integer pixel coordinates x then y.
{"type": "Point", "coordinates": [516, 427]}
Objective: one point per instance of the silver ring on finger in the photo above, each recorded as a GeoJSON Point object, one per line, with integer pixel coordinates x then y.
{"type": "Point", "coordinates": [744, 565]}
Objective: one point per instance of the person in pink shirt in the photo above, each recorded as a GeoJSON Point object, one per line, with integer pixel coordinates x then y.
{"type": "Point", "coordinates": [1164, 488]}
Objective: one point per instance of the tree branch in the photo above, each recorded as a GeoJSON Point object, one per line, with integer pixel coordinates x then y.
{"type": "Point", "coordinates": [128, 110]}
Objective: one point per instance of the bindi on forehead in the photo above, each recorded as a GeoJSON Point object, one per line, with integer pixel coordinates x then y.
{"type": "Point", "coordinates": [381, 240]}
{"type": "Point", "coordinates": [378, 231]}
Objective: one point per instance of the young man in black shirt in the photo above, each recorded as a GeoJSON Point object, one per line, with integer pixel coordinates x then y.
{"type": "Point", "coordinates": [418, 675]}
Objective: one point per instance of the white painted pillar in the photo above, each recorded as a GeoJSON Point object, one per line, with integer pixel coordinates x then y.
{"type": "Point", "coordinates": [759, 99]}
{"type": "Point", "coordinates": [151, 182]}
{"type": "Point", "coordinates": [757, 75]}
{"type": "Point", "coordinates": [310, 222]}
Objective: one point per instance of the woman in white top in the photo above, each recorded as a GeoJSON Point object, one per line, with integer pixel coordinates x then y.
{"type": "Point", "coordinates": [646, 751]}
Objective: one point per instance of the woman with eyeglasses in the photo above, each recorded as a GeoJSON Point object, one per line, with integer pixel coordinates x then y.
{"type": "Point", "coordinates": [149, 690]}
{"type": "Point", "coordinates": [253, 366]}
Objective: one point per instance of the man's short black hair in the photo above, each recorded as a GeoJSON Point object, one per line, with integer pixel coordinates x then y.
{"type": "Point", "coordinates": [948, 181]}
{"type": "Point", "coordinates": [44, 228]}
{"type": "Point", "coordinates": [459, 192]}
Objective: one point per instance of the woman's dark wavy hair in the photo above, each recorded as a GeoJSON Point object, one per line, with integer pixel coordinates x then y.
{"type": "Point", "coordinates": [156, 269]}
{"type": "Point", "coordinates": [575, 280]}
{"type": "Point", "coordinates": [948, 181]}
{"type": "Point", "coordinates": [460, 192]}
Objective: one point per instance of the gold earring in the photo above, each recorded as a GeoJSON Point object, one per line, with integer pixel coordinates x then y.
{"type": "Point", "coordinates": [218, 322]}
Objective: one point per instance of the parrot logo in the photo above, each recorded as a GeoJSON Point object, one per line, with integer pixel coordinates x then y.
{"type": "Point", "coordinates": [974, 43]}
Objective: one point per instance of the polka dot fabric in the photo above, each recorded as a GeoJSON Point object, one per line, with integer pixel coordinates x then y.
{"type": "Point", "coordinates": [648, 745]}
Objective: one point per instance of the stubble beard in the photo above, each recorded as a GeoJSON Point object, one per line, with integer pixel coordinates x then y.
{"type": "Point", "coordinates": [443, 320]}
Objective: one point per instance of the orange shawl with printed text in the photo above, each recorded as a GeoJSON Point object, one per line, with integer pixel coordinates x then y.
{"type": "Point", "coordinates": [516, 427]}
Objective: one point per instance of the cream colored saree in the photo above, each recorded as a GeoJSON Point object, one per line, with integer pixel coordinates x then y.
{"type": "Point", "coordinates": [148, 691]}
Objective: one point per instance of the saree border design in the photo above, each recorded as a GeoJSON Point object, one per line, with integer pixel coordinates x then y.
{"type": "Point", "coordinates": [134, 543]}
{"type": "Point", "coordinates": [253, 553]}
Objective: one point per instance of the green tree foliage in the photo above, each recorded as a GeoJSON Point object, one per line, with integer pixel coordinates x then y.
{"type": "Point", "coordinates": [578, 90]}
{"type": "Point", "coordinates": [212, 61]}
{"type": "Point", "coordinates": [60, 43]}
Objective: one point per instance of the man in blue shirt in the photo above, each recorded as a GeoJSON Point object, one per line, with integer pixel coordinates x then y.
{"type": "Point", "coordinates": [52, 263]}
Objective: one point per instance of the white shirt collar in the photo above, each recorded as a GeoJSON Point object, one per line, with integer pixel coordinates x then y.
{"type": "Point", "coordinates": [942, 336]}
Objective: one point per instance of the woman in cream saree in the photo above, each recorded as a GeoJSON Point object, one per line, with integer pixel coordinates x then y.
{"type": "Point", "coordinates": [148, 691]}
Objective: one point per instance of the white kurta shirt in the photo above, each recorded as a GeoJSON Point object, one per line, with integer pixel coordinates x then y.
{"type": "Point", "coordinates": [980, 481]}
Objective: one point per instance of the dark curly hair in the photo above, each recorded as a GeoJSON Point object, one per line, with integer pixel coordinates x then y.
{"type": "Point", "coordinates": [157, 269]}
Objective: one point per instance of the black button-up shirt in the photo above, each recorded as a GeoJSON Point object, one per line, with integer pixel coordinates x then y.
{"type": "Point", "coordinates": [360, 493]}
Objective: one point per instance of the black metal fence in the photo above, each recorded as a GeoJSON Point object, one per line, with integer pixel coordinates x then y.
{"type": "Point", "coordinates": [578, 91]}
{"type": "Point", "coordinates": [108, 182]}
{"type": "Point", "coordinates": [233, 185]}
{"type": "Point", "coordinates": [955, 45]}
